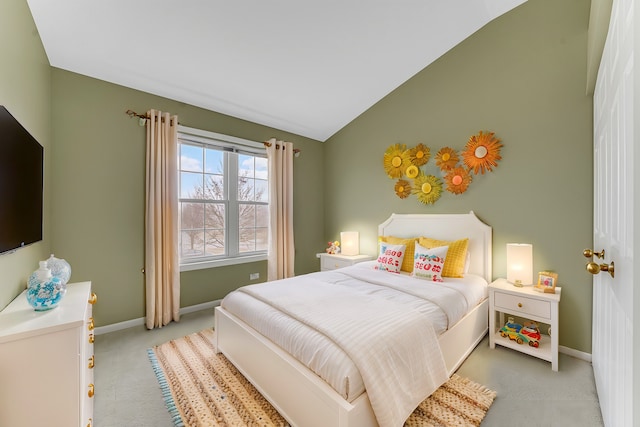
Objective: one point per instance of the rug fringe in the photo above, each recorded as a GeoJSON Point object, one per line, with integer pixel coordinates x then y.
{"type": "Point", "coordinates": [166, 391]}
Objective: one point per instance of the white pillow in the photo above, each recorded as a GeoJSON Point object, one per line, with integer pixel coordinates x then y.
{"type": "Point", "coordinates": [390, 257]}
{"type": "Point", "coordinates": [428, 263]}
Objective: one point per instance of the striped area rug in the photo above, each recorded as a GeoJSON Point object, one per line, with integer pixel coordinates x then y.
{"type": "Point", "coordinates": [202, 388]}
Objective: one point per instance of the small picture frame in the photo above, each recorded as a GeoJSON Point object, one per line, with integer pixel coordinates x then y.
{"type": "Point", "coordinates": [547, 282]}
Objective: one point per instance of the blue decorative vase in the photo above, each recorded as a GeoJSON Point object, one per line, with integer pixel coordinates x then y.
{"type": "Point", "coordinates": [44, 291]}
{"type": "Point", "coordinates": [59, 268]}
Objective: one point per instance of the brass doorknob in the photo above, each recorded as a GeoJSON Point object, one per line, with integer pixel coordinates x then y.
{"type": "Point", "coordinates": [594, 268]}
{"type": "Point", "coordinates": [590, 253]}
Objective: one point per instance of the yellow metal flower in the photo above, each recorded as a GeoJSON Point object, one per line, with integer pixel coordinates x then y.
{"type": "Point", "coordinates": [419, 155]}
{"type": "Point", "coordinates": [403, 188]}
{"type": "Point", "coordinates": [447, 158]}
{"type": "Point", "coordinates": [396, 160]}
{"type": "Point", "coordinates": [482, 152]}
{"type": "Point", "coordinates": [458, 180]}
{"type": "Point", "coordinates": [427, 188]}
{"type": "Point", "coordinates": [412, 171]}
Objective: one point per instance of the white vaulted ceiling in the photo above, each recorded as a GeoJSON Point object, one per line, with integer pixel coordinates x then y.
{"type": "Point", "coordinates": [304, 67]}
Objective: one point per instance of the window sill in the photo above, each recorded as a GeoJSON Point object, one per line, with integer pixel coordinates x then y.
{"type": "Point", "coordinates": [201, 265]}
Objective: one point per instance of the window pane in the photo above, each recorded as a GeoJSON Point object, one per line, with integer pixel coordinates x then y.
{"type": "Point", "coordinates": [191, 158]}
{"type": "Point", "coordinates": [190, 185]}
{"type": "Point", "coordinates": [247, 240]}
{"type": "Point", "coordinates": [214, 161]}
{"type": "Point", "coordinates": [215, 242]}
{"type": "Point", "coordinates": [246, 166]}
{"type": "Point", "coordinates": [191, 216]}
{"type": "Point", "coordinates": [245, 189]}
{"type": "Point", "coordinates": [262, 191]}
{"type": "Point", "coordinates": [214, 216]}
{"type": "Point", "coordinates": [262, 216]}
{"type": "Point", "coordinates": [246, 215]}
{"type": "Point", "coordinates": [262, 239]}
{"type": "Point", "coordinates": [214, 189]}
{"type": "Point", "coordinates": [191, 243]}
{"type": "Point", "coordinates": [261, 168]}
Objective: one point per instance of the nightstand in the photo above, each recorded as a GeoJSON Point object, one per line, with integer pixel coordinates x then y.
{"type": "Point", "coordinates": [524, 302]}
{"type": "Point", "coordinates": [331, 262]}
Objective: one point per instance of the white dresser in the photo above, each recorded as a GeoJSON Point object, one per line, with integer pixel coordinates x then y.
{"type": "Point", "coordinates": [46, 362]}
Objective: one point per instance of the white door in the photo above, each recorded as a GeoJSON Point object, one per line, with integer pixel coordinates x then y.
{"type": "Point", "coordinates": [614, 194]}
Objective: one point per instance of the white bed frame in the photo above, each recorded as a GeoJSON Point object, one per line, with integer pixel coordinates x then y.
{"type": "Point", "coordinates": [301, 396]}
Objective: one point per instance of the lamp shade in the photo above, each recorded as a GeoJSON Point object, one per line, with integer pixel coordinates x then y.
{"type": "Point", "coordinates": [350, 242]}
{"type": "Point", "coordinates": [520, 263]}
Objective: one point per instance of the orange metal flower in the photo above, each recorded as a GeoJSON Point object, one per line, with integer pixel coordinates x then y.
{"type": "Point", "coordinates": [482, 152]}
{"type": "Point", "coordinates": [447, 158]}
{"type": "Point", "coordinates": [419, 155]}
{"type": "Point", "coordinates": [403, 188]}
{"type": "Point", "coordinates": [458, 180]}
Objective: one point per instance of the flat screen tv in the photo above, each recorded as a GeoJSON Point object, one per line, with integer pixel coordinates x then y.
{"type": "Point", "coordinates": [21, 180]}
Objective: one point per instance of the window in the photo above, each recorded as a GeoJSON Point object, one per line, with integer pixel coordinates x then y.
{"type": "Point", "coordinates": [223, 200]}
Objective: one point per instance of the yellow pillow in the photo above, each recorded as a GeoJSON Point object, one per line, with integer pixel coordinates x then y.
{"type": "Point", "coordinates": [456, 255]}
{"type": "Point", "coordinates": [410, 247]}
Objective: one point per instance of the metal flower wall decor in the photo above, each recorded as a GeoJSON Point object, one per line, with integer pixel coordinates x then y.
{"type": "Point", "coordinates": [406, 165]}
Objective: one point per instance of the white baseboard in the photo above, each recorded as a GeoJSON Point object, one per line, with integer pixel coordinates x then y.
{"type": "Point", "coordinates": [141, 321]}
{"type": "Point", "coordinates": [575, 353]}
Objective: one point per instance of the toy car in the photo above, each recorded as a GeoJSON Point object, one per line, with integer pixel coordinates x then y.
{"type": "Point", "coordinates": [531, 331]}
{"type": "Point", "coordinates": [512, 330]}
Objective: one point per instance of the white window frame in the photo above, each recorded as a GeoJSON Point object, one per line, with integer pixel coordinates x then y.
{"type": "Point", "coordinates": [237, 145]}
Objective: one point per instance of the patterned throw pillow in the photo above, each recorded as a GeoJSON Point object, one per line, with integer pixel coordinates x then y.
{"type": "Point", "coordinates": [409, 243]}
{"type": "Point", "coordinates": [456, 256]}
{"type": "Point", "coordinates": [429, 263]}
{"type": "Point", "coordinates": [390, 257]}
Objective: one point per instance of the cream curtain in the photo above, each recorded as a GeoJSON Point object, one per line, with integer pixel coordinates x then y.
{"type": "Point", "coordinates": [162, 269]}
{"type": "Point", "coordinates": [281, 247]}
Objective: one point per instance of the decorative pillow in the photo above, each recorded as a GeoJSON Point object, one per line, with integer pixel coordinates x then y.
{"type": "Point", "coordinates": [467, 263]}
{"type": "Point", "coordinates": [390, 257]}
{"type": "Point", "coordinates": [409, 243]}
{"type": "Point", "coordinates": [456, 256]}
{"type": "Point", "coordinates": [429, 263]}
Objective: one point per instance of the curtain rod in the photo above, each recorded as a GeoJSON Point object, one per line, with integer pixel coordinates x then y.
{"type": "Point", "coordinates": [144, 117]}
{"type": "Point", "coordinates": [296, 151]}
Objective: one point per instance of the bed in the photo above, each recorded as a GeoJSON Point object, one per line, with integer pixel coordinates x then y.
{"type": "Point", "coordinates": [298, 392]}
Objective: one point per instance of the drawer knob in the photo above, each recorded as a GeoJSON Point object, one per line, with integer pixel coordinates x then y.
{"type": "Point", "coordinates": [519, 305]}
{"type": "Point", "coordinates": [91, 391]}
{"type": "Point", "coordinates": [93, 299]}
{"type": "Point", "coordinates": [92, 362]}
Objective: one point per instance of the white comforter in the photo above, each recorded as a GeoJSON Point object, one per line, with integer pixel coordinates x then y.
{"type": "Point", "coordinates": [383, 323]}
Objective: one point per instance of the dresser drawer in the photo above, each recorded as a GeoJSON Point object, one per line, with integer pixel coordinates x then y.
{"type": "Point", "coordinates": [329, 263]}
{"type": "Point", "coordinates": [523, 305]}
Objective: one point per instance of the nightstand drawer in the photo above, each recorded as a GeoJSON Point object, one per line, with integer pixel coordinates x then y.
{"type": "Point", "coordinates": [330, 263]}
{"type": "Point", "coordinates": [522, 304]}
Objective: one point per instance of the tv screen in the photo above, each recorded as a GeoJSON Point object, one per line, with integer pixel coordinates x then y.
{"type": "Point", "coordinates": [21, 178]}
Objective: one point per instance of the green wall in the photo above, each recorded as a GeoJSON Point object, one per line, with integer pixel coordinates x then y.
{"type": "Point", "coordinates": [25, 90]}
{"type": "Point", "coordinates": [523, 77]}
{"type": "Point", "coordinates": [98, 194]}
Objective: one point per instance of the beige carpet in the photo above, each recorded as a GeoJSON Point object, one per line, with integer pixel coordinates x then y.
{"type": "Point", "coordinates": [202, 388]}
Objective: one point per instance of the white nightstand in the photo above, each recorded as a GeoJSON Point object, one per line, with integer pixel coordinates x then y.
{"type": "Point", "coordinates": [525, 302]}
{"type": "Point", "coordinates": [331, 262]}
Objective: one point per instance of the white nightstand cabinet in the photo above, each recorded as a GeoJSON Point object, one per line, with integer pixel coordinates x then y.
{"type": "Point", "coordinates": [524, 302]}
{"type": "Point", "coordinates": [331, 262]}
{"type": "Point", "coordinates": [46, 362]}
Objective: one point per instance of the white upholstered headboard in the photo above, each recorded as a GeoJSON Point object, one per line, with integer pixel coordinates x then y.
{"type": "Point", "coordinates": [447, 227]}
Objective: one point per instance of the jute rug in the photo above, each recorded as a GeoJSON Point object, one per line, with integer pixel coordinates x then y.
{"type": "Point", "coordinates": [202, 388]}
